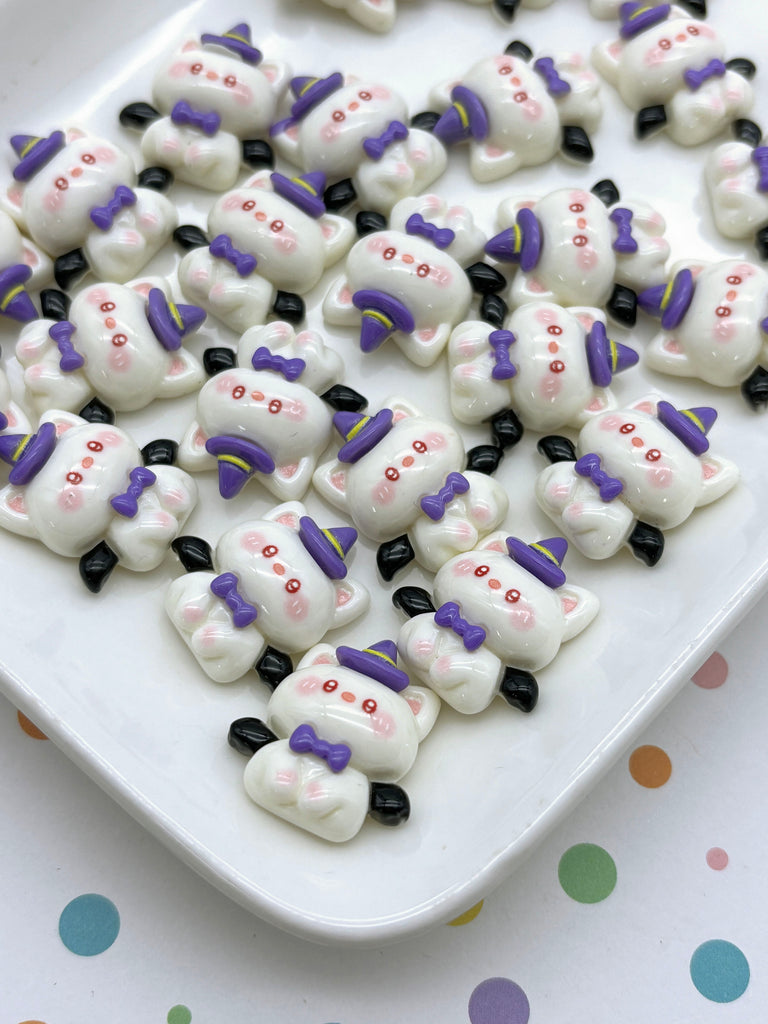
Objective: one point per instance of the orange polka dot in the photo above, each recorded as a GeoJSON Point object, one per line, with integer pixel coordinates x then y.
{"type": "Point", "coordinates": [467, 916]}
{"type": "Point", "coordinates": [31, 730]}
{"type": "Point", "coordinates": [650, 766]}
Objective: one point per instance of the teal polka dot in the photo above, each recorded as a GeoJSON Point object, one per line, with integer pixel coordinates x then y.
{"type": "Point", "coordinates": [720, 971]}
{"type": "Point", "coordinates": [179, 1015]}
{"type": "Point", "coordinates": [89, 924]}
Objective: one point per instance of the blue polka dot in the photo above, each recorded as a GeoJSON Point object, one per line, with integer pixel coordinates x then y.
{"type": "Point", "coordinates": [89, 924]}
{"type": "Point", "coordinates": [720, 971]}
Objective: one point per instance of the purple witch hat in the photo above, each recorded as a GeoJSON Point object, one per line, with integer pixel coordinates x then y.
{"type": "Point", "coordinates": [309, 92]}
{"type": "Point", "coordinates": [237, 459]}
{"type": "Point", "coordinates": [690, 426]}
{"type": "Point", "coordinates": [669, 301]}
{"type": "Point", "coordinates": [637, 17]}
{"type": "Point", "coordinates": [238, 40]}
{"type": "Point", "coordinates": [382, 315]}
{"type": "Point", "coordinates": [304, 191]}
{"type": "Point", "coordinates": [14, 300]}
{"type": "Point", "coordinates": [34, 152]}
{"type": "Point", "coordinates": [519, 244]}
{"type": "Point", "coordinates": [361, 433]}
{"type": "Point", "coordinates": [27, 453]}
{"type": "Point", "coordinates": [542, 559]}
{"type": "Point", "coordinates": [379, 661]}
{"type": "Point", "coordinates": [327, 547]}
{"type": "Point", "coordinates": [169, 322]}
{"type": "Point", "coordinates": [465, 118]}
{"type": "Point", "coordinates": [606, 357]}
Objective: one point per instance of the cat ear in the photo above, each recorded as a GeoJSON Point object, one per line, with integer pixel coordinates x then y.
{"type": "Point", "coordinates": [425, 705]}
{"type": "Point", "coordinates": [13, 512]}
{"type": "Point", "coordinates": [290, 480]}
{"type": "Point", "coordinates": [352, 600]}
{"type": "Point", "coordinates": [666, 355]}
{"type": "Point", "coordinates": [606, 58]}
{"type": "Point", "coordinates": [287, 144]}
{"type": "Point", "coordinates": [494, 542]}
{"type": "Point", "coordinates": [320, 654]}
{"type": "Point", "coordinates": [261, 179]}
{"type": "Point", "coordinates": [440, 95]}
{"type": "Point", "coordinates": [73, 134]}
{"type": "Point", "coordinates": [579, 606]}
{"type": "Point", "coordinates": [528, 288]}
{"type": "Point", "coordinates": [489, 163]}
{"type": "Point", "coordinates": [193, 455]}
{"type": "Point", "coordinates": [330, 480]}
{"type": "Point", "coordinates": [376, 15]}
{"type": "Point", "coordinates": [288, 514]}
{"type": "Point", "coordinates": [423, 347]}
{"type": "Point", "coordinates": [338, 235]}
{"type": "Point", "coordinates": [509, 209]}
{"type": "Point", "coordinates": [277, 73]}
{"type": "Point", "coordinates": [718, 476]}
{"type": "Point", "coordinates": [185, 374]}
{"type": "Point", "coordinates": [402, 409]}
{"type": "Point", "coordinates": [338, 307]}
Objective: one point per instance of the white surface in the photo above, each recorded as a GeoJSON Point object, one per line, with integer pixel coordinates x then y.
{"type": "Point", "coordinates": [108, 680]}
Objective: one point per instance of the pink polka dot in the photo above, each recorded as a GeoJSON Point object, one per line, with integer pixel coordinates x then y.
{"type": "Point", "coordinates": [717, 858]}
{"type": "Point", "coordinates": [712, 673]}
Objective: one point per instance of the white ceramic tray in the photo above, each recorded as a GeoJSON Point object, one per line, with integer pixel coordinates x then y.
{"type": "Point", "coordinates": [108, 679]}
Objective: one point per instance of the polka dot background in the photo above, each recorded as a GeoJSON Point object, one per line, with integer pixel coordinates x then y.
{"type": "Point", "coordinates": [642, 901]}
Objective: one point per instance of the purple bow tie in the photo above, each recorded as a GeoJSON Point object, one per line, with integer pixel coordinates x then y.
{"type": "Point", "coordinates": [608, 486]}
{"type": "Point", "coordinates": [556, 86]}
{"type": "Point", "coordinates": [61, 333]}
{"type": "Point", "coordinates": [304, 740]}
{"type": "Point", "coordinates": [441, 237]}
{"type": "Point", "coordinates": [447, 615]}
{"type": "Point", "coordinates": [694, 78]}
{"type": "Point", "coordinates": [624, 243]}
{"type": "Point", "coordinates": [434, 505]}
{"type": "Point", "coordinates": [499, 342]}
{"type": "Point", "coordinates": [376, 147]}
{"type": "Point", "coordinates": [291, 369]}
{"type": "Point", "coordinates": [103, 216]}
{"type": "Point", "coordinates": [225, 587]}
{"type": "Point", "coordinates": [208, 122]}
{"type": "Point", "coordinates": [221, 247]}
{"type": "Point", "coordinates": [127, 504]}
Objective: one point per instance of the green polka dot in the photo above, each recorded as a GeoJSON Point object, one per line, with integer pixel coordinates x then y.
{"type": "Point", "coordinates": [587, 873]}
{"type": "Point", "coordinates": [179, 1015]}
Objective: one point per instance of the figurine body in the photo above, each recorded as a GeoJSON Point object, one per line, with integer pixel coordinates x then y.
{"type": "Point", "coordinates": [281, 580]}
{"type": "Point", "coordinates": [340, 732]}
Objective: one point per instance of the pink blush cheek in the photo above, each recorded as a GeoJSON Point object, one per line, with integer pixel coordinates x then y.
{"type": "Point", "coordinates": [53, 200]}
{"type": "Point", "coordinates": [383, 724]}
{"type": "Point", "coordinates": [110, 439]}
{"type": "Point", "coordinates": [610, 423]}
{"type": "Point", "coordinates": [225, 382]}
{"type": "Point", "coordinates": [120, 360]}
{"type": "Point", "coordinates": [70, 500]}
{"type": "Point", "coordinates": [105, 155]}
{"type": "Point", "coordinates": [523, 619]}
{"type": "Point", "coordinates": [309, 685]}
{"type": "Point", "coordinates": [724, 331]}
{"type": "Point", "coordinates": [532, 110]}
{"type": "Point", "coordinates": [243, 94]}
{"type": "Point", "coordinates": [178, 69]}
{"type": "Point", "coordinates": [587, 258]}
{"type": "Point", "coordinates": [329, 132]}
{"type": "Point", "coordinates": [295, 411]}
{"type": "Point", "coordinates": [660, 477]}
{"type": "Point", "coordinates": [286, 243]}
{"type": "Point", "coordinates": [436, 441]}
{"type": "Point", "coordinates": [463, 567]}
{"type": "Point", "coordinates": [296, 607]}
{"type": "Point", "coordinates": [383, 493]}
{"type": "Point", "coordinates": [232, 202]}
{"type": "Point", "coordinates": [252, 541]}
{"type": "Point", "coordinates": [550, 386]}
{"type": "Point", "coordinates": [380, 92]}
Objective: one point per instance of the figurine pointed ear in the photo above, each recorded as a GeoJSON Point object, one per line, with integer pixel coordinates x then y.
{"type": "Point", "coordinates": [185, 374]}
{"type": "Point", "coordinates": [287, 144]}
{"type": "Point", "coordinates": [338, 307]}
{"type": "Point", "coordinates": [494, 542]}
{"type": "Point", "coordinates": [440, 95]}
{"type": "Point", "coordinates": [62, 420]}
{"type": "Point", "coordinates": [529, 288]}
{"type": "Point", "coordinates": [73, 134]}
{"type": "Point", "coordinates": [489, 163]}
{"type": "Point", "coordinates": [288, 514]}
{"type": "Point", "coordinates": [402, 409]}
{"type": "Point", "coordinates": [277, 73]}
{"type": "Point", "coordinates": [38, 262]}
{"type": "Point", "coordinates": [425, 705]}
{"type": "Point", "coordinates": [330, 480]}
{"type": "Point", "coordinates": [666, 355]}
{"type": "Point", "coordinates": [718, 476]}
{"type": "Point", "coordinates": [193, 455]}
{"type": "Point", "coordinates": [320, 654]}
{"type": "Point", "coordinates": [261, 179]}
{"type": "Point", "coordinates": [352, 600]}
{"type": "Point", "coordinates": [509, 209]}
{"type": "Point", "coordinates": [606, 57]}
{"type": "Point", "coordinates": [11, 202]}
{"type": "Point", "coordinates": [423, 347]}
{"type": "Point", "coordinates": [290, 480]}
{"type": "Point", "coordinates": [189, 45]}
{"type": "Point", "coordinates": [580, 606]}
{"type": "Point", "coordinates": [338, 234]}
{"type": "Point", "coordinates": [13, 512]}
{"type": "Point", "coordinates": [375, 15]}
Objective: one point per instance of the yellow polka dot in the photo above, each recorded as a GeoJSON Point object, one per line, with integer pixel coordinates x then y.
{"type": "Point", "coordinates": [468, 915]}
{"type": "Point", "coordinates": [31, 730]}
{"type": "Point", "coordinates": [650, 766]}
